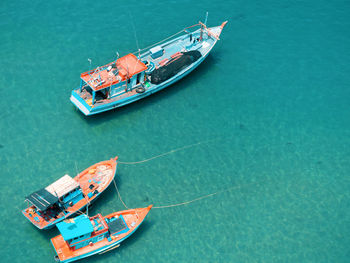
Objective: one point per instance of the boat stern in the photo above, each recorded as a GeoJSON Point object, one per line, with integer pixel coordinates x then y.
{"type": "Point", "coordinates": [63, 252]}
{"type": "Point", "coordinates": [36, 220]}
{"type": "Point", "coordinates": [81, 104]}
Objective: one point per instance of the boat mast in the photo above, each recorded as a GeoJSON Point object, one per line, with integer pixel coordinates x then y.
{"type": "Point", "coordinates": [206, 18]}
{"type": "Point", "coordinates": [81, 82]}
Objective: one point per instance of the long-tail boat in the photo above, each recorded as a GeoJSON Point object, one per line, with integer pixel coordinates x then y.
{"type": "Point", "coordinates": [134, 77]}
{"type": "Point", "coordinates": [67, 195]}
{"type": "Point", "coordinates": [85, 236]}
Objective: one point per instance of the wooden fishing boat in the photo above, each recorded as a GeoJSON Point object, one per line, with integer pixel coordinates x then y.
{"type": "Point", "coordinates": [132, 77]}
{"type": "Point", "coordinates": [83, 236]}
{"type": "Point", "coordinates": [66, 196]}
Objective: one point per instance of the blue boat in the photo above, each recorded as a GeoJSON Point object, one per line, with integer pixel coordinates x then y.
{"type": "Point", "coordinates": [140, 74]}
{"type": "Point", "coordinates": [85, 236]}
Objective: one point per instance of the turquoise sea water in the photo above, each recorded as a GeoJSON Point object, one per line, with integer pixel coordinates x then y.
{"type": "Point", "coordinates": [272, 98]}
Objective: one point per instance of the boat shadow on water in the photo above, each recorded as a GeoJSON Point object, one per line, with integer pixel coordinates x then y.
{"type": "Point", "coordinates": [169, 92]}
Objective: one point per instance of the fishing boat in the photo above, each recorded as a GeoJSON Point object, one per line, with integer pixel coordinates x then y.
{"type": "Point", "coordinates": [140, 74]}
{"type": "Point", "coordinates": [85, 236]}
{"type": "Point", "coordinates": [66, 196]}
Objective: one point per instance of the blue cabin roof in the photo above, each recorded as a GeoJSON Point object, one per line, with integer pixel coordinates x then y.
{"type": "Point", "coordinates": [75, 227]}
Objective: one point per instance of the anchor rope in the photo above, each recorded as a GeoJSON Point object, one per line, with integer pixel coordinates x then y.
{"type": "Point", "coordinates": [204, 196]}
{"type": "Point", "coordinates": [189, 201]}
{"type": "Point", "coordinates": [120, 197]}
{"type": "Point", "coordinates": [170, 152]}
{"type": "Point", "coordinates": [192, 200]}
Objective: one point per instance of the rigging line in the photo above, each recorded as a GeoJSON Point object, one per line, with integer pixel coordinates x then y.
{"type": "Point", "coordinates": [136, 39]}
{"type": "Point", "coordinates": [204, 196]}
{"type": "Point", "coordinates": [76, 167]}
{"type": "Point", "coordinates": [159, 41]}
{"type": "Point", "coordinates": [120, 197]}
{"type": "Point", "coordinates": [133, 26]}
{"type": "Point", "coordinates": [183, 30]}
{"type": "Point", "coordinates": [80, 212]}
{"type": "Point", "coordinates": [170, 152]}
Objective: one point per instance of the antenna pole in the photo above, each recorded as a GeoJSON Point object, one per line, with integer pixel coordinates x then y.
{"type": "Point", "coordinates": [206, 18]}
{"type": "Point", "coordinates": [117, 53]}
{"type": "Point", "coordinates": [133, 27]}
{"type": "Point", "coordinates": [89, 68]}
{"type": "Point", "coordinates": [90, 64]}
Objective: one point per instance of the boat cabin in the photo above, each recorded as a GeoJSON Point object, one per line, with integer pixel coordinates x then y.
{"type": "Point", "coordinates": [105, 82]}
{"type": "Point", "coordinates": [56, 197]}
{"type": "Point", "coordinates": [83, 231]}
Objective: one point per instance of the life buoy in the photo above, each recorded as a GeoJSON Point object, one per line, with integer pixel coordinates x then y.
{"type": "Point", "coordinates": [140, 89]}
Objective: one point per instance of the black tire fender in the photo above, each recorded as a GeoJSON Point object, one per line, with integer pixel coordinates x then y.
{"type": "Point", "coordinates": [140, 89]}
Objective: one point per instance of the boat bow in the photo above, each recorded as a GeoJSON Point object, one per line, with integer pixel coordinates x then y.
{"type": "Point", "coordinates": [214, 31]}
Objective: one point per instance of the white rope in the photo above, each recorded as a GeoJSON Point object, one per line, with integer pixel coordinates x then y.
{"type": "Point", "coordinates": [193, 200]}
{"type": "Point", "coordinates": [120, 197]}
{"type": "Point", "coordinates": [133, 26]}
{"type": "Point", "coordinates": [186, 202]}
{"type": "Point", "coordinates": [170, 152]}
{"type": "Point", "coordinates": [159, 42]}
{"type": "Point", "coordinates": [203, 197]}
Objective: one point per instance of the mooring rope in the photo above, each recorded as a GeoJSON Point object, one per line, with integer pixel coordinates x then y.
{"type": "Point", "coordinates": [120, 197]}
{"type": "Point", "coordinates": [204, 196]}
{"type": "Point", "coordinates": [190, 201]}
{"type": "Point", "coordinates": [170, 152]}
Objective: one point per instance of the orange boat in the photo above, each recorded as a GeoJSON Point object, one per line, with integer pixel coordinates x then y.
{"type": "Point", "coordinates": [83, 236]}
{"type": "Point", "coordinates": [67, 196]}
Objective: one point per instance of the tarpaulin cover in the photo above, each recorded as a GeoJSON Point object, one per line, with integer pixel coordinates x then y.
{"type": "Point", "coordinates": [174, 66]}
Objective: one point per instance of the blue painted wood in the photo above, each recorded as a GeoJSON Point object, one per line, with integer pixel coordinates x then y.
{"type": "Point", "coordinates": [100, 250]}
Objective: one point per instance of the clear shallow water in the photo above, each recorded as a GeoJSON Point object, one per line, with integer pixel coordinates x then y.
{"type": "Point", "coordinates": [274, 94]}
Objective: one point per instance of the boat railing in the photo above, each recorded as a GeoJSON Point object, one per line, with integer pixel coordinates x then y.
{"type": "Point", "coordinates": [168, 38]}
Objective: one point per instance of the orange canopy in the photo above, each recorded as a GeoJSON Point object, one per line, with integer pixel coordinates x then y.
{"type": "Point", "coordinates": [131, 64]}
{"type": "Point", "coordinates": [128, 66]}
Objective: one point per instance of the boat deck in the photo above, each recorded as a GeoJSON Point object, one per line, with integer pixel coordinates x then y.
{"type": "Point", "coordinates": [133, 218]}
{"type": "Point", "coordinates": [125, 94]}
{"type": "Point", "coordinates": [173, 48]}
{"type": "Point", "coordinates": [92, 181]}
